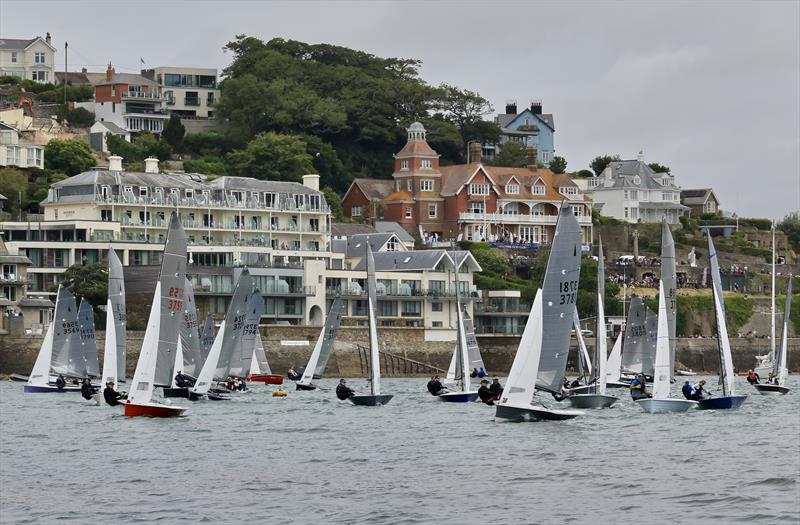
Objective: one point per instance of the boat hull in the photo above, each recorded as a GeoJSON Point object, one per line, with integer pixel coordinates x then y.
{"type": "Point", "coordinates": [721, 402]}
{"type": "Point", "coordinates": [18, 377]}
{"type": "Point", "coordinates": [533, 413]}
{"type": "Point", "coordinates": [214, 396]}
{"type": "Point", "coordinates": [591, 401]}
{"type": "Point", "coordinates": [181, 392]}
{"type": "Point", "coordinates": [766, 389]}
{"type": "Point", "coordinates": [617, 384]}
{"type": "Point", "coordinates": [152, 410]}
{"type": "Point", "coordinates": [269, 379]}
{"type": "Point", "coordinates": [458, 397]}
{"type": "Point", "coordinates": [46, 389]}
{"type": "Point", "coordinates": [301, 386]}
{"type": "Point", "coordinates": [661, 406]}
{"type": "Point", "coordinates": [370, 400]}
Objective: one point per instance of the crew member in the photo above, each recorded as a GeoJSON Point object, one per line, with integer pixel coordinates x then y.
{"type": "Point", "coordinates": [293, 375]}
{"type": "Point", "coordinates": [343, 391]}
{"type": "Point", "coordinates": [87, 390]}
{"type": "Point", "coordinates": [638, 388]}
{"type": "Point", "coordinates": [496, 387]}
{"type": "Point", "coordinates": [61, 382]}
{"type": "Point", "coordinates": [111, 396]}
{"type": "Point", "coordinates": [687, 390]}
{"type": "Point", "coordinates": [486, 395]}
{"type": "Point", "coordinates": [435, 386]}
{"type": "Point", "coordinates": [772, 379]}
{"type": "Point", "coordinates": [697, 390]}
{"type": "Point", "coordinates": [752, 377]}
{"type": "Point", "coordinates": [474, 373]}
{"type": "Point", "coordinates": [180, 380]}
{"type": "Point", "coordinates": [482, 373]}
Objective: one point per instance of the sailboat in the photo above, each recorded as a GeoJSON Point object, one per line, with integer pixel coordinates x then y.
{"type": "Point", "coordinates": [115, 314]}
{"type": "Point", "coordinates": [766, 363]}
{"type": "Point", "coordinates": [597, 397]}
{"type": "Point", "coordinates": [324, 347]}
{"type": "Point", "coordinates": [614, 364]}
{"type": "Point", "coordinates": [661, 400]}
{"type": "Point", "coordinates": [205, 379]}
{"type": "Point", "coordinates": [728, 399]}
{"type": "Point", "coordinates": [541, 356]}
{"type": "Point", "coordinates": [241, 364]}
{"type": "Point", "coordinates": [669, 278]}
{"type": "Point", "coordinates": [54, 353]}
{"type": "Point", "coordinates": [234, 327]}
{"type": "Point", "coordinates": [374, 397]}
{"type": "Point", "coordinates": [86, 339]}
{"type": "Point", "coordinates": [162, 336]}
{"type": "Point", "coordinates": [636, 354]}
{"type": "Point", "coordinates": [779, 369]}
{"type": "Point", "coordinates": [259, 366]}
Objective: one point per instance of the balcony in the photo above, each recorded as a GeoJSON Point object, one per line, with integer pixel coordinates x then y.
{"type": "Point", "coordinates": [500, 310]}
{"type": "Point", "coordinates": [187, 101]}
{"type": "Point", "coordinates": [206, 203]}
{"type": "Point", "coordinates": [507, 218]}
{"type": "Point", "coordinates": [393, 293]}
{"type": "Point", "coordinates": [11, 278]}
{"type": "Point", "coordinates": [142, 95]}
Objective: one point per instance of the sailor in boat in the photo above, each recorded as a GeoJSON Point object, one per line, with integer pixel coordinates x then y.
{"type": "Point", "coordinates": [111, 396]}
{"type": "Point", "coordinates": [496, 387]}
{"type": "Point", "coordinates": [772, 379]}
{"type": "Point", "coordinates": [639, 388]}
{"type": "Point", "coordinates": [474, 373]}
{"type": "Point", "coordinates": [435, 386]}
{"type": "Point", "coordinates": [343, 391]}
{"type": "Point", "coordinates": [482, 373]}
{"type": "Point", "coordinates": [61, 382]}
{"type": "Point", "coordinates": [181, 381]}
{"type": "Point", "coordinates": [241, 385]}
{"type": "Point", "coordinates": [486, 394]}
{"type": "Point", "coordinates": [753, 378]}
{"type": "Point", "coordinates": [697, 390]}
{"type": "Point", "coordinates": [293, 375]}
{"type": "Point", "coordinates": [87, 390]}
{"type": "Point", "coordinates": [687, 390]}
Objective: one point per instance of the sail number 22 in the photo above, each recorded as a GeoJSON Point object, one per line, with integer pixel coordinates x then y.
{"type": "Point", "coordinates": [175, 299]}
{"type": "Point", "coordinates": [568, 291]}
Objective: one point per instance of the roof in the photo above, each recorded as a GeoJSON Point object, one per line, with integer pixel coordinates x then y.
{"type": "Point", "coordinates": [112, 128]}
{"type": "Point", "coordinates": [623, 173]}
{"type": "Point", "coordinates": [128, 78]}
{"type": "Point", "coordinates": [399, 196]}
{"type": "Point", "coordinates": [395, 228]}
{"type": "Point", "coordinates": [36, 301]}
{"type": "Point", "coordinates": [455, 176]}
{"type": "Point", "coordinates": [250, 184]}
{"type": "Point", "coordinates": [697, 196]}
{"type": "Point", "coordinates": [14, 259]}
{"type": "Point", "coordinates": [415, 148]}
{"type": "Point", "coordinates": [505, 119]}
{"type": "Point", "coordinates": [405, 261]}
{"type": "Point", "coordinates": [346, 229]}
{"type": "Point", "coordinates": [133, 178]}
{"type": "Point", "coordinates": [21, 43]}
{"type": "Point", "coordinates": [72, 77]}
{"type": "Point", "coordinates": [373, 189]}
{"type": "Point", "coordinates": [357, 244]}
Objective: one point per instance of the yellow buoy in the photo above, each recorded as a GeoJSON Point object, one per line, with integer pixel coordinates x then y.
{"type": "Point", "coordinates": [280, 393]}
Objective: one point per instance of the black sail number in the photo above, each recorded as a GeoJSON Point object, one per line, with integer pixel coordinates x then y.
{"type": "Point", "coordinates": [568, 292]}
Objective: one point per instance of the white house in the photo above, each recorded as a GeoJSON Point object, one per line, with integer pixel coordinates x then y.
{"type": "Point", "coordinates": [28, 58]}
{"type": "Point", "coordinates": [631, 191]}
{"type": "Point", "coordinates": [190, 92]}
{"type": "Point", "coordinates": [18, 152]}
{"type": "Point", "coordinates": [100, 130]}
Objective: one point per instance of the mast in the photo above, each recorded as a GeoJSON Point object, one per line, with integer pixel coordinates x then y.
{"type": "Point", "coordinates": [374, 357]}
{"type": "Point", "coordinates": [462, 360]}
{"type": "Point", "coordinates": [772, 300]}
{"type": "Point", "coordinates": [600, 317]}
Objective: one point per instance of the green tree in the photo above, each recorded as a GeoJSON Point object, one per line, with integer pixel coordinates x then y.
{"type": "Point", "coordinates": [659, 168]}
{"type": "Point", "coordinates": [512, 155]}
{"type": "Point", "coordinates": [206, 166]}
{"type": "Point", "coordinates": [144, 145]}
{"type": "Point", "coordinates": [790, 225]}
{"type": "Point", "coordinates": [327, 164]}
{"type": "Point", "coordinates": [598, 164]}
{"type": "Point", "coordinates": [68, 156]}
{"type": "Point", "coordinates": [272, 156]}
{"type": "Point", "coordinates": [465, 109]}
{"type": "Point", "coordinates": [173, 132]}
{"type": "Point", "coordinates": [209, 143]}
{"type": "Point", "coordinates": [335, 202]}
{"type": "Point", "coordinates": [89, 282]}
{"type": "Point", "coordinates": [13, 185]}
{"type": "Point", "coordinates": [558, 164]}
{"type": "Point", "coordinates": [80, 118]}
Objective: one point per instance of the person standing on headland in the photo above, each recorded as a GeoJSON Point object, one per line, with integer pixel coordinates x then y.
{"type": "Point", "coordinates": [343, 391]}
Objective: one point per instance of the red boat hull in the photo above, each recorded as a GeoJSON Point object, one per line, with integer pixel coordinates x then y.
{"type": "Point", "coordinates": [269, 379]}
{"type": "Point", "coordinates": [152, 410]}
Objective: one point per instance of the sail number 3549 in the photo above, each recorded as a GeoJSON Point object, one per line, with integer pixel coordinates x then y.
{"type": "Point", "coordinates": [568, 291]}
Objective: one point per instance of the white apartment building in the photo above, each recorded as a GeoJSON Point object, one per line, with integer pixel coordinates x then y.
{"type": "Point", "coordinates": [17, 152]}
{"type": "Point", "coordinates": [629, 190]}
{"type": "Point", "coordinates": [190, 92]}
{"type": "Point", "coordinates": [31, 59]}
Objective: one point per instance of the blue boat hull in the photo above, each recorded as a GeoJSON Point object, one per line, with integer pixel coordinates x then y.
{"type": "Point", "coordinates": [459, 397]}
{"type": "Point", "coordinates": [45, 389]}
{"type": "Point", "coordinates": [721, 403]}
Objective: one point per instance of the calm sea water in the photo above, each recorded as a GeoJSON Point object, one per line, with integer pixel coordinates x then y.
{"type": "Point", "coordinates": [310, 458]}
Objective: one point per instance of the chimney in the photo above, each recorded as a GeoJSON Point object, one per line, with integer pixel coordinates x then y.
{"type": "Point", "coordinates": [109, 72]}
{"type": "Point", "coordinates": [84, 70]}
{"type": "Point", "coordinates": [311, 181]}
{"type": "Point", "coordinates": [151, 165]}
{"type": "Point", "coordinates": [511, 107]}
{"type": "Point", "coordinates": [475, 152]}
{"type": "Point", "coordinates": [533, 157]}
{"type": "Point", "coordinates": [536, 107]}
{"type": "Point", "coordinates": [47, 38]}
{"type": "Point", "coordinates": [114, 163]}
{"type": "Point", "coordinates": [640, 157]}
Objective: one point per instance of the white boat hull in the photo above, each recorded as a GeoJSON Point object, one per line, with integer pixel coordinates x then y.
{"type": "Point", "coordinates": [661, 406]}
{"type": "Point", "coordinates": [591, 401]}
{"type": "Point", "coordinates": [534, 413]}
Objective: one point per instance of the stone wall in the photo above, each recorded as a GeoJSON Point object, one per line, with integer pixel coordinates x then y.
{"type": "Point", "coordinates": [17, 354]}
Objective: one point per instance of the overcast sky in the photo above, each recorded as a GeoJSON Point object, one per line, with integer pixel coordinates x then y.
{"type": "Point", "coordinates": [711, 89]}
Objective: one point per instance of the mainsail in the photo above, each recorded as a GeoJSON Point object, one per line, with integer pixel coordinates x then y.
{"type": "Point", "coordinates": [207, 338]}
{"type": "Point", "coordinates": [614, 363]}
{"type": "Point", "coordinates": [206, 376]}
{"type": "Point", "coordinates": [173, 281]}
{"type": "Point", "coordinates": [651, 320]}
{"type": "Point", "coordinates": [67, 357]}
{"type": "Point", "coordinates": [601, 341]}
{"type": "Point", "coordinates": [633, 346]}
{"type": "Point", "coordinates": [190, 335]}
{"type": "Point", "coordinates": [116, 309]}
{"type": "Point", "coordinates": [110, 367]}
{"type": "Point", "coordinates": [141, 390]}
{"type": "Point", "coordinates": [259, 363]}
{"type": "Point", "coordinates": [725, 359]}
{"type": "Point", "coordinates": [779, 368]}
{"type": "Point", "coordinates": [559, 296]}
{"type": "Point", "coordinates": [240, 366]}
{"type": "Point", "coordinates": [669, 279]}
{"type": "Point", "coordinates": [372, 305]}
{"type": "Point", "coordinates": [234, 321]}
{"type": "Point", "coordinates": [87, 338]}
{"type": "Point", "coordinates": [324, 347]}
{"type": "Point", "coordinates": [662, 372]}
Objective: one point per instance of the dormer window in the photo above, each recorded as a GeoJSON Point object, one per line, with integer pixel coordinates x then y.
{"type": "Point", "coordinates": [127, 189]}
{"type": "Point", "coordinates": [190, 194]}
{"type": "Point", "coordinates": [538, 189]}
{"type": "Point", "coordinates": [426, 164]}
{"type": "Point", "coordinates": [404, 165]}
{"type": "Point", "coordinates": [512, 189]}
{"type": "Point", "coordinates": [426, 185]}
{"type": "Point", "coordinates": [665, 181]}
{"type": "Point", "coordinates": [142, 191]}
{"type": "Point", "coordinates": [637, 180]}
{"type": "Point", "coordinates": [479, 189]}
{"type": "Point", "coordinates": [569, 191]}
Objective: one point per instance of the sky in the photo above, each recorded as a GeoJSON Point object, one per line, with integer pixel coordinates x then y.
{"type": "Point", "coordinates": [711, 89]}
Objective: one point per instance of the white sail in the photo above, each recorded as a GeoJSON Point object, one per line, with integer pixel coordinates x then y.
{"type": "Point", "coordinates": [110, 369]}
{"type": "Point", "coordinates": [374, 350]}
{"type": "Point", "coordinates": [141, 390]}
{"type": "Point", "coordinates": [116, 294]}
{"type": "Point", "coordinates": [520, 385]}
{"type": "Point", "coordinates": [614, 363]}
{"type": "Point", "coordinates": [308, 372]}
{"type": "Point", "coordinates": [254, 368]}
{"type": "Point", "coordinates": [783, 371]}
{"type": "Point", "coordinates": [206, 376]}
{"type": "Point", "coordinates": [40, 375]}
{"type": "Point", "coordinates": [464, 352]}
{"type": "Point", "coordinates": [726, 361]}
{"type": "Point", "coordinates": [451, 370]}
{"type": "Point", "coordinates": [662, 372]}
{"type": "Point", "coordinates": [178, 361]}
{"type": "Point", "coordinates": [576, 322]}
{"type": "Point", "coordinates": [601, 344]}
{"type": "Point", "coordinates": [772, 303]}
{"type": "Point", "coordinates": [261, 356]}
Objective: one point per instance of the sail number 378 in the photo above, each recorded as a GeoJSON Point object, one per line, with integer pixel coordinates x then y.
{"type": "Point", "coordinates": [568, 291]}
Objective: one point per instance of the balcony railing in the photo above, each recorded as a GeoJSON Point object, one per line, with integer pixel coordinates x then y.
{"type": "Point", "coordinates": [507, 218]}
{"type": "Point", "coordinates": [143, 95]}
{"type": "Point", "coordinates": [203, 202]}
{"type": "Point", "coordinates": [482, 308]}
{"type": "Point", "coordinates": [357, 291]}
{"type": "Point", "coordinates": [498, 330]}
{"type": "Point", "coordinates": [191, 101]}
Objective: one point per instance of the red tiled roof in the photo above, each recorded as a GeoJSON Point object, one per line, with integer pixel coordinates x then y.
{"type": "Point", "coordinates": [416, 147]}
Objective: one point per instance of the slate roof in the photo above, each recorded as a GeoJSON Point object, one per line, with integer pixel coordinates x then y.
{"type": "Point", "coordinates": [395, 228]}
{"type": "Point", "coordinates": [36, 301]}
{"type": "Point", "coordinates": [14, 259]}
{"type": "Point", "coordinates": [356, 244]}
{"type": "Point", "coordinates": [128, 78]}
{"type": "Point", "coordinates": [623, 173]}
{"type": "Point", "coordinates": [374, 189]}
{"type": "Point", "coordinates": [346, 229]}
{"type": "Point", "coordinates": [271, 186]}
{"type": "Point", "coordinates": [404, 261]}
{"type": "Point", "coordinates": [113, 128]}
{"type": "Point", "coordinates": [14, 44]}
{"type": "Point", "coordinates": [111, 178]}
{"type": "Point", "coordinates": [698, 197]}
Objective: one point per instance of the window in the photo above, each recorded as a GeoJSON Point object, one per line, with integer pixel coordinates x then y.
{"type": "Point", "coordinates": [432, 211]}
{"type": "Point", "coordinates": [577, 210]}
{"type": "Point", "coordinates": [436, 307]}
{"type": "Point", "coordinates": [355, 211]}
{"type": "Point", "coordinates": [105, 215]}
{"type": "Point", "coordinates": [403, 164]}
{"type": "Point", "coordinates": [569, 191]}
{"type": "Point", "coordinates": [412, 309]}
{"type": "Point", "coordinates": [190, 194]}
{"type": "Point", "coordinates": [13, 56]}
{"type": "Point", "coordinates": [391, 244]}
{"type": "Point", "coordinates": [409, 214]}
{"type": "Point", "coordinates": [512, 189]}
{"type": "Point", "coordinates": [634, 195]}
{"type": "Point", "coordinates": [410, 185]}
{"type": "Point", "coordinates": [426, 164]}
{"type": "Point", "coordinates": [142, 191]}
{"type": "Point", "coordinates": [538, 189]}
{"type": "Point", "coordinates": [426, 185]}
{"type": "Point", "coordinates": [437, 324]}
{"type": "Point", "coordinates": [39, 76]}
{"type": "Point", "coordinates": [476, 207]}
{"type": "Point", "coordinates": [626, 213]}
{"type": "Point", "coordinates": [666, 196]}
{"type": "Point", "coordinates": [637, 180]}
{"type": "Point", "coordinates": [512, 208]}
{"type": "Point", "coordinates": [625, 195]}
{"type": "Point", "coordinates": [38, 58]}
{"type": "Point", "coordinates": [387, 308]}
{"type": "Point", "coordinates": [479, 189]}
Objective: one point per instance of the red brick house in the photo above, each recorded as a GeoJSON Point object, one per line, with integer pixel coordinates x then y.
{"type": "Point", "coordinates": [472, 201]}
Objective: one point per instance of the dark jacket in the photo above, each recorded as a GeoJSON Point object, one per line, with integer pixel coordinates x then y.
{"type": "Point", "coordinates": [343, 391]}
{"type": "Point", "coordinates": [87, 391]}
{"type": "Point", "coordinates": [486, 395]}
{"type": "Point", "coordinates": [111, 396]}
{"type": "Point", "coordinates": [687, 391]}
{"type": "Point", "coordinates": [60, 382]}
{"type": "Point", "coordinates": [638, 388]}
{"type": "Point", "coordinates": [496, 389]}
{"type": "Point", "coordinates": [435, 387]}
